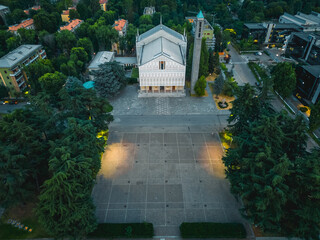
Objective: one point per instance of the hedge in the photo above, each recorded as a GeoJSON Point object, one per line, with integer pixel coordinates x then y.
{"type": "Point", "coordinates": [212, 230]}
{"type": "Point", "coordinates": [132, 80]}
{"type": "Point", "coordinates": [126, 230]}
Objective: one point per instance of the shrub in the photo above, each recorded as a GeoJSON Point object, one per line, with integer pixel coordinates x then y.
{"type": "Point", "coordinates": [229, 87]}
{"type": "Point", "coordinates": [126, 230]}
{"type": "Point", "coordinates": [212, 230]}
{"type": "Point", "coordinates": [200, 86]}
{"type": "Point", "coordinates": [223, 67]}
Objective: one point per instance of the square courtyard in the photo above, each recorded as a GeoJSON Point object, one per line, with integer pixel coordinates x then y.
{"type": "Point", "coordinates": [165, 179]}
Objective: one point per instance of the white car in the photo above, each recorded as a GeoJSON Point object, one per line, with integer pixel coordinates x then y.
{"type": "Point", "coordinates": [258, 53]}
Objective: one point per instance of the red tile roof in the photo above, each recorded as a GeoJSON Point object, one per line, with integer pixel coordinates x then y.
{"type": "Point", "coordinates": [66, 12]}
{"type": "Point", "coordinates": [36, 8]}
{"type": "Point", "coordinates": [23, 24]}
{"type": "Point", "coordinates": [103, 1]}
{"type": "Point", "coordinates": [71, 25]}
{"type": "Point", "coordinates": [118, 25]}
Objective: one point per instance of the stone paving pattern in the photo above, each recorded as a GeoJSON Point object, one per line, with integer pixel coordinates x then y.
{"type": "Point", "coordinates": [128, 103]}
{"type": "Point", "coordinates": [164, 178]}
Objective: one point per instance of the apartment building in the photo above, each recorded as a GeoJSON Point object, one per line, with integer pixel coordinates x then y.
{"type": "Point", "coordinates": [26, 24]}
{"type": "Point", "coordinates": [65, 14]}
{"type": "Point", "coordinates": [11, 66]}
{"type": "Point", "coordinates": [72, 25]}
{"type": "Point", "coordinates": [103, 5]}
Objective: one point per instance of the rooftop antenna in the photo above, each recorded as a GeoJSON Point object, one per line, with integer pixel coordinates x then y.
{"type": "Point", "coordinates": [184, 31]}
{"type": "Point", "coordinates": [138, 32]}
{"type": "Point", "coordinates": [160, 19]}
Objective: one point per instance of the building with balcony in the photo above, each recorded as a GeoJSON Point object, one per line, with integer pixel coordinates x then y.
{"type": "Point", "coordinates": [308, 83]}
{"type": "Point", "coordinates": [26, 24]}
{"type": "Point", "coordinates": [208, 32]}
{"type": "Point", "coordinates": [72, 25]}
{"type": "Point", "coordinates": [161, 59]}
{"type": "Point", "coordinates": [65, 14]}
{"type": "Point", "coordinates": [11, 66]}
{"type": "Point", "coordinates": [103, 5]}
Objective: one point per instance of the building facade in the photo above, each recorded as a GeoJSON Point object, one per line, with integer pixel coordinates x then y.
{"type": "Point", "coordinates": [308, 83]}
{"type": "Point", "coordinates": [103, 5]}
{"type": "Point", "coordinates": [72, 25]}
{"type": "Point", "coordinates": [100, 58]}
{"type": "Point", "coordinates": [11, 66]}
{"type": "Point", "coordinates": [308, 22]}
{"type": "Point", "coordinates": [304, 47]}
{"type": "Point", "coordinates": [149, 11]}
{"type": "Point", "coordinates": [208, 32]}
{"type": "Point", "coordinates": [161, 59]}
{"type": "Point", "coordinates": [65, 14]}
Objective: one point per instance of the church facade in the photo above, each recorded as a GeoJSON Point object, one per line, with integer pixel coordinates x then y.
{"type": "Point", "coordinates": [161, 59]}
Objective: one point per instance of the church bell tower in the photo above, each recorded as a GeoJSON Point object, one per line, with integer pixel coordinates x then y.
{"type": "Point", "coordinates": [197, 50]}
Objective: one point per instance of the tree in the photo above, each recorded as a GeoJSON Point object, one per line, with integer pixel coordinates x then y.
{"type": "Point", "coordinates": [13, 43]}
{"type": "Point", "coordinates": [73, 14]}
{"type": "Point", "coordinates": [145, 19]}
{"type": "Point", "coordinates": [189, 63]}
{"type": "Point", "coordinates": [51, 83]}
{"type": "Point", "coordinates": [65, 208]}
{"type": "Point", "coordinates": [204, 59]}
{"type": "Point", "coordinates": [218, 85]}
{"type": "Point", "coordinates": [211, 61]}
{"type": "Point", "coordinates": [200, 86]}
{"type": "Point", "coordinates": [22, 157]}
{"type": "Point", "coordinates": [79, 57]}
{"type": "Point", "coordinates": [35, 71]}
{"type": "Point", "coordinates": [17, 16]}
{"type": "Point", "coordinates": [28, 36]}
{"type": "Point", "coordinates": [131, 37]}
{"type": "Point", "coordinates": [109, 79]}
{"type": "Point", "coordinates": [45, 21]}
{"type": "Point", "coordinates": [314, 119]}
{"type": "Point", "coordinates": [284, 79]}
{"type": "Point", "coordinates": [66, 40]}
{"type": "Point", "coordinates": [87, 45]}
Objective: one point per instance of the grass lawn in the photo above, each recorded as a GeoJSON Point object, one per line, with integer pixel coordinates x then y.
{"type": "Point", "coordinates": [135, 73]}
{"type": "Point", "coordinates": [25, 215]}
{"type": "Point", "coordinates": [211, 77]}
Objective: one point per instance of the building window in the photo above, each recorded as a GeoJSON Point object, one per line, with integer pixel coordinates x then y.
{"type": "Point", "coordinates": [162, 65]}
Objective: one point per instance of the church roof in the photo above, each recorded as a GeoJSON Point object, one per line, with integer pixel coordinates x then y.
{"type": "Point", "coordinates": [160, 28]}
{"type": "Point", "coordinates": [161, 47]}
{"type": "Point", "coordinates": [200, 15]}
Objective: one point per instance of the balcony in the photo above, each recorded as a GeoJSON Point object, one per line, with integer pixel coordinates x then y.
{"type": "Point", "coordinates": [19, 78]}
{"type": "Point", "coordinates": [15, 73]}
{"type": "Point", "coordinates": [20, 84]}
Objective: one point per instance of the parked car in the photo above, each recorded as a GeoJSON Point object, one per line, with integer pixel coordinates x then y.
{"type": "Point", "coordinates": [258, 53]}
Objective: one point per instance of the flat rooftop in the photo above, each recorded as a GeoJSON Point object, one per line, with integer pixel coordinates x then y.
{"type": "Point", "coordinates": [314, 70]}
{"type": "Point", "coordinates": [18, 55]}
{"type": "Point", "coordinates": [100, 58]}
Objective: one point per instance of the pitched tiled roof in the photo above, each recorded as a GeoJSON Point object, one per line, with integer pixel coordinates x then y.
{"type": "Point", "coordinates": [66, 12]}
{"type": "Point", "coordinates": [24, 24]}
{"type": "Point", "coordinates": [71, 25]}
{"type": "Point", "coordinates": [103, 1]}
{"type": "Point", "coordinates": [119, 24]}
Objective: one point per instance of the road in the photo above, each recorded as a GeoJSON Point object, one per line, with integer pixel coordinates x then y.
{"type": "Point", "coordinates": [6, 108]}
{"type": "Point", "coordinates": [165, 123]}
{"type": "Point", "coordinates": [241, 71]}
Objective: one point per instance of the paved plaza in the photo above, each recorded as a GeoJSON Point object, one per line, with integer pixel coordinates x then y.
{"type": "Point", "coordinates": [164, 178]}
{"type": "Point", "coordinates": [128, 103]}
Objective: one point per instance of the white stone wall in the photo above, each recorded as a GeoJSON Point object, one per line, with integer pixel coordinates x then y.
{"type": "Point", "coordinates": [172, 75]}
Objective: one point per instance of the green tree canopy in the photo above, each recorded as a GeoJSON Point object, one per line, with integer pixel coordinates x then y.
{"type": "Point", "coordinates": [109, 79]}
{"type": "Point", "coordinates": [66, 40]}
{"type": "Point", "coordinates": [200, 86]}
{"type": "Point", "coordinates": [51, 83]}
{"type": "Point", "coordinates": [284, 79]}
{"type": "Point", "coordinates": [35, 71]}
